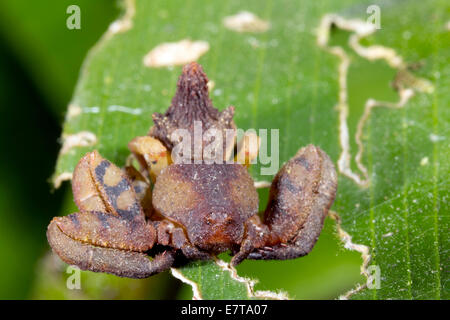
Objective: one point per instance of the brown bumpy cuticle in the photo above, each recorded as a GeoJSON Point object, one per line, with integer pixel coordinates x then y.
{"type": "Point", "coordinates": [191, 103]}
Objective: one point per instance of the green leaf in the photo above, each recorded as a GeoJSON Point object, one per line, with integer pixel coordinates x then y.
{"type": "Point", "coordinates": [290, 78]}
{"type": "Point", "coordinates": [52, 53]}
{"type": "Point", "coordinates": [217, 280]}
{"type": "Point", "coordinates": [403, 213]}
{"type": "Point", "coordinates": [37, 51]}
{"type": "Point", "coordinates": [58, 281]}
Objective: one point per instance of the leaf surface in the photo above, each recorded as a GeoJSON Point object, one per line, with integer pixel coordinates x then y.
{"type": "Point", "coordinates": [392, 199]}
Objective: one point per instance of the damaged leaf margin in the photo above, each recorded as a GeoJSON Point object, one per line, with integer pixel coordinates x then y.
{"type": "Point", "coordinates": [228, 284]}
{"type": "Point", "coordinates": [407, 84]}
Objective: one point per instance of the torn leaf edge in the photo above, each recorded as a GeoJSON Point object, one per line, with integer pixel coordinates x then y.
{"type": "Point", "coordinates": [226, 267]}
{"type": "Point", "coordinates": [348, 244]}
{"type": "Point", "coordinates": [361, 29]}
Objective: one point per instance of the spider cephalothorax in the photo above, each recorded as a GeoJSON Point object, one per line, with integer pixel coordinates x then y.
{"type": "Point", "coordinates": [137, 223]}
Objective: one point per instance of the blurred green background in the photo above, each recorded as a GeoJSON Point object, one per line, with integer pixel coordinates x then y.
{"type": "Point", "coordinates": [40, 61]}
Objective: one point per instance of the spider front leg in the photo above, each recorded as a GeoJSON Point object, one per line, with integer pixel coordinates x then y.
{"type": "Point", "coordinates": [142, 188]}
{"type": "Point", "coordinates": [247, 152]}
{"type": "Point", "coordinates": [300, 196]}
{"type": "Point", "coordinates": [121, 263]}
{"type": "Point", "coordinates": [170, 235]}
{"type": "Point", "coordinates": [151, 154]}
{"type": "Point", "coordinates": [247, 149]}
{"type": "Point", "coordinates": [110, 233]}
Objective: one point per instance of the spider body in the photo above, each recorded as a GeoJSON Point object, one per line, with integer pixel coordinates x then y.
{"type": "Point", "coordinates": [211, 201]}
{"type": "Point", "coordinates": [195, 210]}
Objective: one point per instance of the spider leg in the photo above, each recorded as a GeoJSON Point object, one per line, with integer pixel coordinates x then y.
{"type": "Point", "coordinates": [262, 184]}
{"type": "Point", "coordinates": [121, 263]}
{"type": "Point", "coordinates": [142, 189]}
{"type": "Point", "coordinates": [247, 149]}
{"type": "Point", "coordinates": [256, 236]}
{"type": "Point", "coordinates": [151, 154]}
{"type": "Point", "coordinates": [110, 226]}
{"type": "Point", "coordinates": [300, 196]}
{"type": "Point", "coordinates": [180, 241]}
{"type": "Point", "coordinates": [169, 235]}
